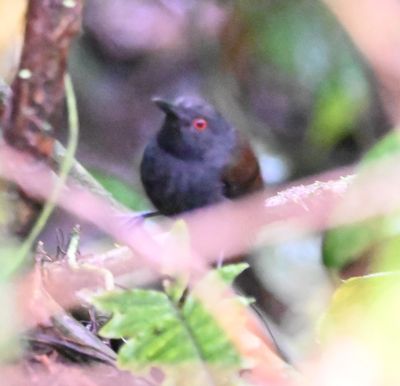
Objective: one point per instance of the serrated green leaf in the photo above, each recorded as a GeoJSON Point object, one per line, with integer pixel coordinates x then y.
{"type": "Point", "coordinates": [160, 331]}
{"type": "Point", "coordinates": [175, 289]}
{"type": "Point", "coordinates": [149, 320]}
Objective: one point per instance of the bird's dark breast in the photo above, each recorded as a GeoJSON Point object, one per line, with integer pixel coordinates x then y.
{"type": "Point", "coordinates": [174, 185]}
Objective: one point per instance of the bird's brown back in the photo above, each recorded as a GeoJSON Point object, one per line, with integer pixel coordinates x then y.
{"type": "Point", "coordinates": [242, 176]}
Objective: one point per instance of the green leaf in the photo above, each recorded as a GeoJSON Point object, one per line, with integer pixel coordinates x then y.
{"type": "Point", "coordinates": [358, 298]}
{"type": "Point", "coordinates": [11, 324]}
{"type": "Point", "coordinates": [364, 313]}
{"type": "Point", "coordinates": [179, 336]}
{"type": "Point", "coordinates": [9, 244]}
{"type": "Point", "coordinates": [340, 100]}
{"type": "Point", "coordinates": [294, 36]}
{"type": "Point", "coordinates": [388, 146]}
{"type": "Point", "coordinates": [230, 272]}
{"type": "Point", "coordinates": [8, 250]}
{"type": "Point", "coordinates": [304, 41]}
{"type": "Point", "coordinates": [386, 255]}
{"type": "Point", "coordinates": [346, 244]}
{"type": "Point", "coordinates": [121, 191]}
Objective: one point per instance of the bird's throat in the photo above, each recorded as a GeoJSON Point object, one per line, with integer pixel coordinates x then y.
{"type": "Point", "coordinates": [170, 139]}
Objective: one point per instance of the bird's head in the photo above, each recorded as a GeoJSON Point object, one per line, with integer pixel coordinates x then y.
{"type": "Point", "coordinates": [194, 129]}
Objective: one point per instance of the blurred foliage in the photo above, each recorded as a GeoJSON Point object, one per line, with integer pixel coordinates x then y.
{"type": "Point", "coordinates": [174, 331]}
{"type": "Point", "coordinates": [362, 298]}
{"type": "Point", "coordinates": [364, 313]}
{"type": "Point", "coordinates": [303, 40]}
{"type": "Point", "coordinates": [388, 146]}
{"type": "Point", "coordinates": [9, 245]}
{"type": "Point", "coordinates": [339, 103]}
{"type": "Point", "coordinates": [387, 255]}
{"type": "Point", "coordinates": [346, 244]}
{"type": "Point", "coordinates": [121, 191]}
{"type": "Point", "coordinates": [11, 38]}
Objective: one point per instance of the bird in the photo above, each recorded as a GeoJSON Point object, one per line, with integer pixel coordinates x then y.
{"type": "Point", "coordinates": [196, 159]}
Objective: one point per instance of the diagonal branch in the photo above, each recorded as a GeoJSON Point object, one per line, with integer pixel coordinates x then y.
{"type": "Point", "coordinates": [38, 90]}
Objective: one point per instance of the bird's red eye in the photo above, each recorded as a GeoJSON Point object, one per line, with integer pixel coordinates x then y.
{"type": "Point", "coordinates": [200, 124]}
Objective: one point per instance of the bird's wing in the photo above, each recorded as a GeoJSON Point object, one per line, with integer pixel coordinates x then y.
{"type": "Point", "coordinates": [242, 175]}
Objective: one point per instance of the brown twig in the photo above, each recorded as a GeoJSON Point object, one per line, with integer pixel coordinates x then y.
{"type": "Point", "coordinates": [5, 93]}
{"type": "Point", "coordinates": [231, 227]}
{"type": "Point", "coordinates": [38, 90]}
{"type": "Point", "coordinates": [37, 93]}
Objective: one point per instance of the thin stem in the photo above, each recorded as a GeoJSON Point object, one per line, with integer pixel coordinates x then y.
{"type": "Point", "coordinates": [65, 167]}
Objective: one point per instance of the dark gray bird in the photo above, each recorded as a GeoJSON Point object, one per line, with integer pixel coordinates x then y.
{"type": "Point", "coordinates": [196, 159]}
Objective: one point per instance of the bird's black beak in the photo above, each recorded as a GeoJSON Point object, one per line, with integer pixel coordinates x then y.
{"type": "Point", "coordinates": [167, 107]}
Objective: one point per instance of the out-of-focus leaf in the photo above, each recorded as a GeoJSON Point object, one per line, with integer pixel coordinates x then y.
{"type": "Point", "coordinates": [361, 299]}
{"type": "Point", "coordinates": [339, 103]}
{"type": "Point", "coordinates": [177, 335]}
{"type": "Point", "coordinates": [9, 265]}
{"type": "Point", "coordinates": [364, 317]}
{"type": "Point", "coordinates": [9, 245]}
{"type": "Point", "coordinates": [364, 311]}
{"type": "Point", "coordinates": [388, 146]}
{"type": "Point", "coordinates": [121, 191]}
{"type": "Point", "coordinates": [387, 255]}
{"type": "Point", "coordinates": [346, 244]}
{"type": "Point", "coordinates": [294, 36]}
{"type": "Point", "coordinates": [10, 325]}
{"type": "Point", "coordinates": [303, 39]}
{"type": "Point", "coordinates": [229, 273]}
